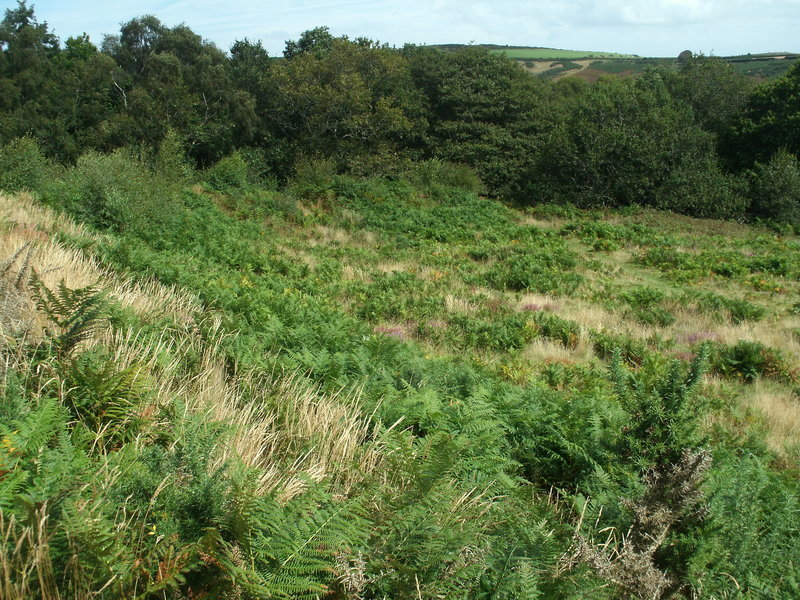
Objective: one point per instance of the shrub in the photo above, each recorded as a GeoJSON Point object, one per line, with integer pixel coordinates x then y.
{"type": "Point", "coordinates": [431, 174]}
{"type": "Point", "coordinates": [605, 344]}
{"type": "Point", "coordinates": [753, 535]}
{"type": "Point", "coordinates": [314, 179]}
{"type": "Point", "coordinates": [23, 166]}
{"type": "Point", "coordinates": [545, 271]}
{"type": "Point", "coordinates": [505, 334]}
{"type": "Point", "coordinates": [750, 360]}
{"type": "Point", "coordinates": [115, 191]}
{"type": "Point", "coordinates": [554, 327]}
{"type": "Point", "coordinates": [260, 167]}
{"type": "Point", "coordinates": [701, 189]}
{"type": "Point", "coordinates": [229, 174]}
{"type": "Point", "coordinates": [775, 189]}
{"type": "Point", "coordinates": [170, 160]}
{"type": "Point", "coordinates": [622, 143]}
{"type": "Point", "coordinates": [644, 303]}
{"type": "Point", "coordinates": [738, 309]}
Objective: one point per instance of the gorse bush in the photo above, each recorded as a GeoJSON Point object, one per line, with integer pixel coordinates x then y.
{"type": "Point", "coordinates": [633, 351]}
{"type": "Point", "coordinates": [665, 416]}
{"type": "Point", "coordinates": [758, 543]}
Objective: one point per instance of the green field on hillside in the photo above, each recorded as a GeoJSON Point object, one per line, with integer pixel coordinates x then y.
{"type": "Point", "coordinates": [759, 66]}
{"type": "Point", "coordinates": [547, 53]}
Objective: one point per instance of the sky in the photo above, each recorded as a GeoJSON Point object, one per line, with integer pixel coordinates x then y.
{"type": "Point", "coordinates": [643, 27]}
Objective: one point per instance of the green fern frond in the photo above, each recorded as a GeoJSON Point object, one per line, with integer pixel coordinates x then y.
{"type": "Point", "coordinates": [102, 395]}
{"type": "Point", "coordinates": [290, 549]}
{"type": "Point", "coordinates": [35, 430]}
{"type": "Point", "coordinates": [175, 564]}
{"type": "Point", "coordinates": [77, 313]}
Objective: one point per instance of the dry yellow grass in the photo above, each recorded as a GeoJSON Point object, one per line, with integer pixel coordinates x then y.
{"type": "Point", "coordinates": [672, 223]}
{"type": "Point", "coordinates": [779, 409]}
{"type": "Point", "coordinates": [553, 223]}
{"type": "Point", "coordinates": [454, 304]}
{"type": "Point", "coordinates": [23, 212]}
{"type": "Point", "coordinates": [394, 267]}
{"type": "Point", "coordinates": [351, 273]}
{"type": "Point", "coordinates": [280, 424]}
{"type": "Point", "coordinates": [542, 351]}
{"type": "Point", "coordinates": [25, 237]}
{"type": "Point", "coordinates": [289, 431]}
{"type": "Point", "coordinates": [303, 256]}
{"type": "Point", "coordinates": [25, 564]}
{"type": "Point", "coordinates": [590, 317]}
{"type": "Point", "coordinates": [545, 301]}
{"type": "Point", "coordinates": [326, 235]}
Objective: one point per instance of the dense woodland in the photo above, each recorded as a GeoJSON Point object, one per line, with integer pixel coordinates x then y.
{"type": "Point", "coordinates": [701, 140]}
{"type": "Point", "coordinates": [361, 322]}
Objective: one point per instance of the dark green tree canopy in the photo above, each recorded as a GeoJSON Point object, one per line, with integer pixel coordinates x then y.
{"type": "Point", "coordinates": [317, 41]}
{"type": "Point", "coordinates": [715, 91]}
{"type": "Point", "coordinates": [770, 121]}
{"type": "Point", "coordinates": [23, 40]}
{"type": "Point", "coordinates": [677, 138]}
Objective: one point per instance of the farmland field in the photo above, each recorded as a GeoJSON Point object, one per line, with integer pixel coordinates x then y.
{"type": "Point", "coordinates": [547, 53]}
{"type": "Point", "coordinates": [757, 66]}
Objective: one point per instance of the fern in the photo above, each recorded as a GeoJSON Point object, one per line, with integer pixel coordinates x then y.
{"type": "Point", "coordinates": [22, 439]}
{"type": "Point", "coordinates": [520, 579]}
{"type": "Point", "coordinates": [77, 313]}
{"type": "Point", "coordinates": [432, 532]}
{"type": "Point", "coordinates": [291, 549]}
{"type": "Point", "coordinates": [175, 565]}
{"type": "Point", "coordinates": [664, 415]}
{"type": "Point", "coordinates": [104, 397]}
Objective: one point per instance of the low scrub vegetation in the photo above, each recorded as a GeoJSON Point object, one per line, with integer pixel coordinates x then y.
{"type": "Point", "coordinates": [314, 356]}
{"type": "Point", "coordinates": [357, 388]}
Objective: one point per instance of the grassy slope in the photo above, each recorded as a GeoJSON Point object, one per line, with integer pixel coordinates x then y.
{"type": "Point", "coordinates": [416, 304]}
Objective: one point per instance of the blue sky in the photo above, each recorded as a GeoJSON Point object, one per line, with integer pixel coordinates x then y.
{"type": "Point", "coordinates": [645, 27]}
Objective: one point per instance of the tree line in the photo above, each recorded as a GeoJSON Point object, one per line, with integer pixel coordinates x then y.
{"type": "Point", "coordinates": [698, 138]}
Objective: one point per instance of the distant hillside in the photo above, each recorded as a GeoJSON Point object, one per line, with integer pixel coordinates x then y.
{"type": "Point", "coordinates": [552, 63]}
{"type": "Point", "coordinates": [538, 53]}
